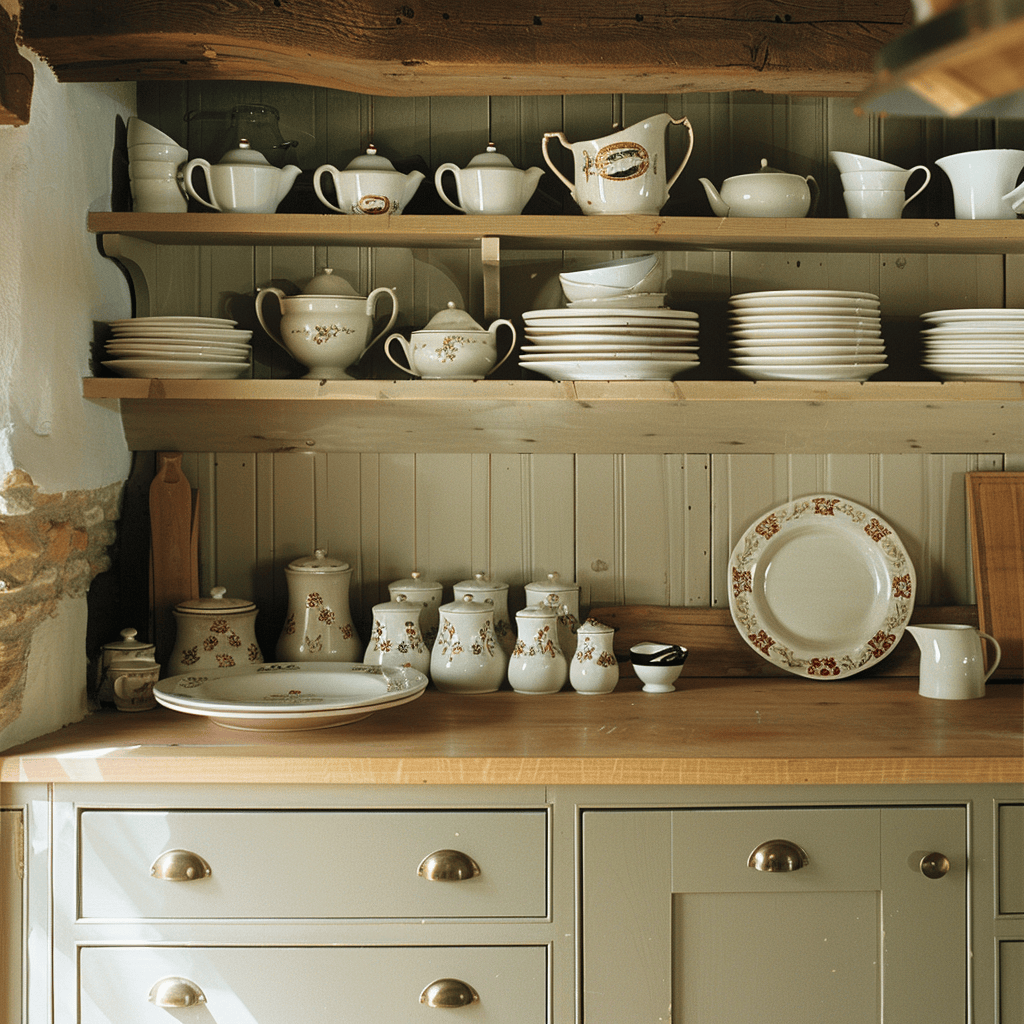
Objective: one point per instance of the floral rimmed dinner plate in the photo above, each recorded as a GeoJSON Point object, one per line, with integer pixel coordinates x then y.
{"type": "Point", "coordinates": [821, 587]}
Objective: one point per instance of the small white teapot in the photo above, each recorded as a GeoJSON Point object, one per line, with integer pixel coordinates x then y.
{"type": "Point", "coordinates": [765, 193]}
{"type": "Point", "coordinates": [243, 181]}
{"type": "Point", "coordinates": [452, 346]}
{"type": "Point", "coordinates": [369, 184]}
{"type": "Point", "coordinates": [489, 184]}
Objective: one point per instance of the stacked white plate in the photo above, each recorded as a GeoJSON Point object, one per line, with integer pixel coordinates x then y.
{"type": "Point", "coordinates": [974, 344]}
{"type": "Point", "coordinates": [610, 343]}
{"type": "Point", "coordinates": [807, 334]}
{"type": "Point", "coordinates": [193, 347]}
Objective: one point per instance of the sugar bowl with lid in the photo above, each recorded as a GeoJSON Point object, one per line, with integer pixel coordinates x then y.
{"type": "Point", "coordinates": [564, 596]}
{"type": "Point", "coordinates": [214, 632]}
{"type": "Point", "coordinates": [483, 588]}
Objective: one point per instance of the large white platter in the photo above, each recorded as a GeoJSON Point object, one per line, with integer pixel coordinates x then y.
{"type": "Point", "coordinates": [811, 372]}
{"type": "Point", "coordinates": [179, 369]}
{"type": "Point", "coordinates": [610, 369]}
{"type": "Point", "coordinates": [821, 587]}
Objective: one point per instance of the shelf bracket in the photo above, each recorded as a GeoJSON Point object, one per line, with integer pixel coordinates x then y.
{"type": "Point", "coordinates": [138, 259]}
{"type": "Point", "coordinates": [490, 259]}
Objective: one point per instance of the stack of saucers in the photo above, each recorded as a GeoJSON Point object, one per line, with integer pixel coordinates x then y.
{"type": "Point", "coordinates": [807, 334]}
{"type": "Point", "coordinates": [194, 347]}
{"type": "Point", "coordinates": [610, 343]}
{"type": "Point", "coordinates": [975, 344]}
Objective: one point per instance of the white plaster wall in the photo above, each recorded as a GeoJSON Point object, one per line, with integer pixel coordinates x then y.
{"type": "Point", "coordinates": [54, 285]}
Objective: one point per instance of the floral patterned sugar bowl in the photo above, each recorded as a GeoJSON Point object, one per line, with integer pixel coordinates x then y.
{"type": "Point", "coordinates": [453, 346]}
{"type": "Point", "coordinates": [318, 625]}
{"type": "Point", "coordinates": [467, 657]}
{"type": "Point", "coordinates": [537, 664]}
{"type": "Point", "coordinates": [594, 667]}
{"type": "Point", "coordinates": [214, 632]}
{"type": "Point", "coordinates": [395, 637]}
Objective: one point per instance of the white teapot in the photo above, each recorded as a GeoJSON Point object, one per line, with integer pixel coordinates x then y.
{"type": "Point", "coordinates": [489, 184]}
{"type": "Point", "coordinates": [369, 184]}
{"type": "Point", "coordinates": [328, 327]}
{"type": "Point", "coordinates": [452, 346]}
{"type": "Point", "coordinates": [243, 181]}
{"type": "Point", "coordinates": [765, 193]}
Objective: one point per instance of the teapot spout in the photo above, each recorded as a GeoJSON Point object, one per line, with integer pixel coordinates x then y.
{"type": "Point", "coordinates": [720, 207]}
{"type": "Point", "coordinates": [288, 175]}
{"type": "Point", "coordinates": [412, 183]}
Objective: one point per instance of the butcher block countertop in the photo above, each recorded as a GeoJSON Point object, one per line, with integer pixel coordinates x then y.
{"type": "Point", "coordinates": [784, 731]}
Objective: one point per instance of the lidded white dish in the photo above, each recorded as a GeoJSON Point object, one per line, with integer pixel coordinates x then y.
{"type": "Point", "coordinates": [396, 637]}
{"type": "Point", "coordinates": [214, 632]}
{"type": "Point", "coordinates": [537, 664]}
{"type": "Point", "coordinates": [553, 590]}
{"type": "Point", "coordinates": [369, 184]}
{"type": "Point", "coordinates": [485, 589]}
{"type": "Point", "coordinates": [594, 667]}
{"type": "Point", "coordinates": [318, 625]}
{"type": "Point", "coordinates": [428, 593]}
{"type": "Point", "coordinates": [467, 657]}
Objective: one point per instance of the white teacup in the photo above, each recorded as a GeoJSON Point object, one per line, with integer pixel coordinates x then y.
{"type": "Point", "coordinates": [847, 162]}
{"type": "Point", "coordinates": [134, 679]}
{"type": "Point", "coordinates": [875, 203]}
{"type": "Point", "coordinates": [154, 170]}
{"type": "Point", "coordinates": [158, 195]}
{"type": "Point", "coordinates": [157, 151]}
{"type": "Point", "coordinates": [874, 180]}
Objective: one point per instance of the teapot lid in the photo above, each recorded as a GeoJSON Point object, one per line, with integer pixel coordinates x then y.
{"type": "Point", "coordinates": [128, 643]}
{"type": "Point", "coordinates": [551, 584]}
{"type": "Point", "coordinates": [244, 154]}
{"type": "Point", "coordinates": [413, 582]}
{"type": "Point", "coordinates": [468, 604]}
{"type": "Point", "coordinates": [370, 161]}
{"type": "Point", "coordinates": [765, 169]}
{"type": "Point", "coordinates": [318, 562]}
{"type": "Point", "coordinates": [325, 283]}
{"type": "Point", "coordinates": [490, 158]}
{"type": "Point", "coordinates": [215, 604]}
{"type": "Point", "coordinates": [594, 628]}
{"type": "Point", "coordinates": [452, 319]}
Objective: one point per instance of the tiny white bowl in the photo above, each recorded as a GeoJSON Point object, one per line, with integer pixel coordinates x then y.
{"type": "Point", "coordinates": [657, 665]}
{"type": "Point", "coordinates": [658, 678]}
{"type": "Point", "coordinates": [142, 132]}
{"type": "Point", "coordinates": [574, 290]}
{"type": "Point", "coordinates": [157, 151]}
{"type": "Point", "coordinates": [847, 162]}
{"type": "Point", "coordinates": [625, 274]}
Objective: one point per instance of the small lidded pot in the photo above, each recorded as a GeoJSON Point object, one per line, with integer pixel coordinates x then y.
{"type": "Point", "coordinates": [127, 648]}
{"type": "Point", "coordinates": [537, 664]}
{"type": "Point", "coordinates": [370, 184]}
{"type": "Point", "coordinates": [395, 637]}
{"type": "Point", "coordinates": [594, 668]}
{"type": "Point", "coordinates": [453, 346]}
{"type": "Point", "coordinates": [467, 657]}
{"type": "Point", "coordinates": [428, 593]}
{"type": "Point", "coordinates": [214, 632]}
{"type": "Point", "coordinates": [318, 625]}
{"type": "Point", "coordinates": [484, 589]}
{"type": "Point", "coordinates": [553, 591]}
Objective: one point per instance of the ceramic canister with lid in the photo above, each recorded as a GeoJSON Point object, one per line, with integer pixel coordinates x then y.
{"type": "Point", "coordinates": [483, 588]}
{"type": "Point", "coordinates": [537, 664]}
{"type": "Point", "coordinates": [395, 638]}
{"type": "Point", "coordinates": [553, 591]}
{"type": "Point", "coordinates": [428, 593]}
{"type": "Point", "coordinates": [318, 625]}
{"type": "Point", "coordinates": [129, 646]}
{"type": "Point", "coordinates": [467, 657]}
{"type": "Point", "coordinates": [214, 632]}
{"type": "Point", "coordinates": [594, 667]}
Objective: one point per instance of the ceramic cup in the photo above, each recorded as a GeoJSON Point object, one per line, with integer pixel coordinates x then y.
{"type": "Point", "coordinates": [133, 684]}
{"type": "Point", "coordinates": [847, 162]}
{"type": "Point", "coordinates": [156, 195]}
{"type": "Point", "coordinates": [875, 203]}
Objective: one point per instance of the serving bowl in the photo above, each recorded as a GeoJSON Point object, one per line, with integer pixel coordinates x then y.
{"type": "Point", "coordinates": [624, 274]}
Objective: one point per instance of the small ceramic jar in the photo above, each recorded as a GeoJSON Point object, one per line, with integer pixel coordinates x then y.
{"type": "Point", "coordinates": [594, 668]}
{"type": "Point", "coordinates": [318, 625]}
{"type": "Point", "coordinates": [428, 593]}
{"type": "Point", "coordinates": [214, 632]}
{"type": "Point", "coordinates": [484, 589]}
{"type": "Point", "coordinates": [134, 679]}
{"type": "Point", "coordinates": [395, 638]}
{"type": "Point", "coordinates": [127, 647]}
{"type": "Point", "coordinates": [537, 664]}
{"type": "Point", "coordinates": [467, 657]}
{"type": "Point", "coordinates": [553, 591]}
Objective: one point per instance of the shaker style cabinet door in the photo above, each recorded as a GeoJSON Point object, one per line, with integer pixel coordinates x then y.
{"type": "Point", "coordinates": [783, 916]}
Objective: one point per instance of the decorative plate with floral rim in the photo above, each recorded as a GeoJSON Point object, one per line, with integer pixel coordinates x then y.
{"type": "Point", "coordinates": [821, 587]}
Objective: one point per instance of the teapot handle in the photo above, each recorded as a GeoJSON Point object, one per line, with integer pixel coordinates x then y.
{"type": "Point", "coordinates": [689, 150]}
{"type": "Point", "coordinates": [317, 174]}
{"type": "Point", "coordinates": [494, 326]}
{"type": "Point", "coordinates": [260, 296]}
{"type": "Point", "coordinates": [405, 349]}
{"type": "Point", "coordinates": [547, 159]}
{"type": "Point", "coordinates": [370, 304]}
{"type": "Point", "coordinates": [438, 174]}
{"type": "Point", "coordinates": [204, 166]}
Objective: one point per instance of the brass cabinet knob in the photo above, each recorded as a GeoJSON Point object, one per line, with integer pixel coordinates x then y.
{"type": "Point", "coordinates": [448, 866]}
{"type": "Point", "coordinates": [448, 994]}
{"type": "Point", "coordinates": [777, 855]}
{"type": "Point", "coordinates": [174, 993]}
{"type": "Point", "coordinates": [934, 865]}
{"type": "Point", "coordinates": [180, 866]}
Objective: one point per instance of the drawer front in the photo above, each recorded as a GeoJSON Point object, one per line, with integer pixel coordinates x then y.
{"type": "Point", "coordinates": [311, 864]}
{"type": "Point", "coordinates": [284, 985]}
{"type": "Point", "coordinates": [1011, 860]}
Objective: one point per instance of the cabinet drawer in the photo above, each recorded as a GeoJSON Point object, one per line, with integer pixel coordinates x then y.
{"type": "Point", "coordinates": [1011, 859]}
{"type": "Point", "coordinates": [311, 864]}
{"type": "Point", "coordinates": [283, 985]}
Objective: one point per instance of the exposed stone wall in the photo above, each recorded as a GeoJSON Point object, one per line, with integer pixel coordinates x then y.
{"type": "Point", "coordinates": [51, 546]}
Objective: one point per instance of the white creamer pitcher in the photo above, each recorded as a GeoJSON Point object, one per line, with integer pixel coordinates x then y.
{"type": "Point", "coordinates": [622, 173]}
{"type": "Point", "coordinates": [952, 664]}
{"type": "Point", "coordinates": [982, 179]}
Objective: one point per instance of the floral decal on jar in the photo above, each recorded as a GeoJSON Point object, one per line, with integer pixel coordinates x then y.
{"type": "Point", "coordinates": [225, 661]}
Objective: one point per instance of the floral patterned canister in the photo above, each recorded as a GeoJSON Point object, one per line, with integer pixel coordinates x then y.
{"type": "Point", "coordinates": [318, 625]}
{"type": "Point", "coordinates": [214, 632]}
{"type": "Point", "coordinates": [395, 637]}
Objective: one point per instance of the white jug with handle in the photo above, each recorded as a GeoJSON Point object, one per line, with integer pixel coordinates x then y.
{"type": "Point", "coordinates": [622, 173]}
{"type": "Point", "coordinates": [982, 180]}
{"type": "Point", "coordinates": [952, 665]}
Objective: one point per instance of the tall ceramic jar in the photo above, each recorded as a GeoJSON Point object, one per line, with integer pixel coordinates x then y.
{"type": "Point", "coordinates": [484, 589]}
{"type": "Point", "coordinates": [554, 591]}
{"type": "Point", "coordinates": [467, 657]}
{"type": "Point", "coordinates": [594, 668]}
{"type": "Point", "coordinates": [395, 638]}
{"type": "Point", "coordinates": [214, 632]}
{"type": "Point", "coordinates": [537, 664]}
{"type": "Point", "coordinates": [428, 592]}
{"type": "Point", "coordinates": [318, 625]}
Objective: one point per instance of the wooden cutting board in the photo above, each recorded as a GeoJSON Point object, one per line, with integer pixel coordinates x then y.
{"type": "Point", "coordinates": [996, 504]}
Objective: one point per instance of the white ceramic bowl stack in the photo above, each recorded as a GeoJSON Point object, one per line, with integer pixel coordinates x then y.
{"type": "Point", "coordinates": [154, 165]}
{"type": "Point", "coordinates": [184, 347]}
{"type": "Point", "coordinates": [609, 343]}
{"type": "Point", "coordinates": [807, 334]}
{"type": "Point", "coordinates": [974, 344]}
{"type": "Point", "coordinates": [633, 281]}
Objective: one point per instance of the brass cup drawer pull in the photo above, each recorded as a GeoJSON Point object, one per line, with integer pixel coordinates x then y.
{"type": "Point", "coordinates": [174, 993]}
{"type": "Point", "coordinates": [934, 865]}
{"type": "Point", "coordinates": [448, 994]}
{"type": "Point", "coordinates": [180, 866]}
{"type": "Point", "coordinates": [448, 866]}
{"type": "Point", "coordinates": [777, 855]}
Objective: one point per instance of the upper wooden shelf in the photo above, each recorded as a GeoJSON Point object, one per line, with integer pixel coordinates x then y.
{"type": "Point", "coordinates": [808, 234]}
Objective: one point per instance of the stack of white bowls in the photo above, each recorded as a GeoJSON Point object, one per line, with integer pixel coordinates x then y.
{"type": "Point", "coordinates": [183, 347]}
{"type": "Point", "coordinates": [975, 344]}
{"type": "Point", "coordinates": [634, 281]}
{"type": "Point", "coordinates": [874, 188]}
{"type": "Point", "coordinates": [154, 167]}
{"type": "Point", "coordinates": [807, 334]}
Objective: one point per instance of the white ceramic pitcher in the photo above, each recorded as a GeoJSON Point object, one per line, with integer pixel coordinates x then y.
{"type": "Point", "coordinates": [621, 173]}
{"type": "Point", "coordinates": [981, 181]}
{"type": "Point", "coordinates": [952, 666]}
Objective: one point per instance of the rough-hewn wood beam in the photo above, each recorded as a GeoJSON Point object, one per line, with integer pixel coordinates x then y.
{"type": "Point", "coordinates": [464, 47]}
{"type": "Point", "coordinates": [15, 75]}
